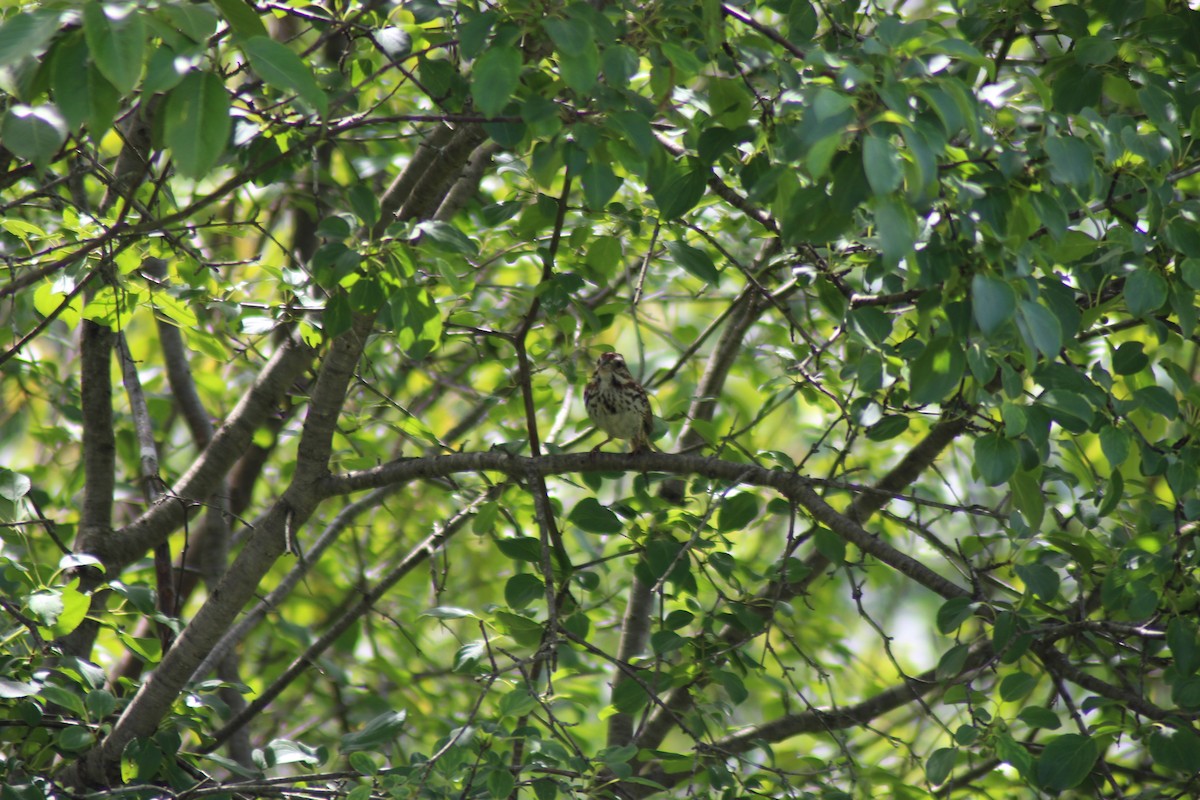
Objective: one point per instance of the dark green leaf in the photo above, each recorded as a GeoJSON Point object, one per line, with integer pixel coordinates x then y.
{"type": "Point", "coordinates": [600, 183]}
{"type": "Point", "coordinates": [895, 227]}
{"type": "Point", "coordinates": [830, 545]}
{"type": "Point", "coordinates": [1011, 752]}
{"type": "Point", "coordinates": [936, 373]}
{"type": "Point", "coordinates": [952, 662]}
{"type": "Point", "coordinates": [579, 60]}
{"type": "Point", "coordinates": [1017, 686]}
{"type": "Point", "coordinates": [889, 427]}
{"type": "Point", "coordinates": [588, 515]}
{"type": "Point", "coordinates": [953, 613]}
{"type": "Point", "coordinates": [737, 511]}
{"type": "Point", "coordinates": [193, 20]}
{"type": "Point", "coordinates": [380, 731]}
{"type": "Point", "coordinates": [1157, 400]}
{"type": "Point", "coordinates": [940, 764]}
{"type": "Point", "coordinates": [197, 123]}
{"type": "Point", "coordinates": [1178, 750]}
{"type": "Point", "coordinates": [634, 129]}
{"type": "Point", "coordinates": [523, 589]}
{"type": "Point", "coordinates": [1129, 358]}
{"type": "Point", "coordinates": [1039, 717]}
{"type": "Point", "coordinates": [996, 458]}
{"type": "Point", "coordinates": [1066, 761]}
{"type": "Point", "coordinates": [521, 548]}
{"type": "Point", "coordinates": [1039, 327]}
{"type": "Point", "coordinates": [1039, 579]}
{"type": "Point", "coordinates": [993, 301]}
{"type": "Point", "coordinates": [695, 261]}
{"type": "Point", "coordinates": [1145, 292]}
{"type": "Point", "coordinates": [33, 133]}
{"type": "Point", "coordinates": [283, 69]}
{"type": "Point", "coordinates": [1181, 636]}
{"type": "Point", "coordinates": [365, 203]}
{"type": "Point", "coordinates": [524, 630]}
{"type": "Point", "coordinates": [494, 77]}
{"type": "Point", "coordinates": [883, 165]}
{"type": "Point", "coordinates": [116, 37]}
{"type": "Point", "coordinates": [25, 34]}
{"type": "Point", "coordinates": [242, 19]}
{"type": "Point", "coordinates": [680, 193]}
{"type": "Point", "coordinates": [1070, 162]}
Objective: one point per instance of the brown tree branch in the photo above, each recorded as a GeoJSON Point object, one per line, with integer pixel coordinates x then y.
{"type": "Point", "coordinates": [206, 473]}
{"type": "Point", "coordinates": [154, 699]}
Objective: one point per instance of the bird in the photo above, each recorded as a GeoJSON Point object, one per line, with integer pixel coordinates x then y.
{"type": "Point", "coordinates": [617, 403]}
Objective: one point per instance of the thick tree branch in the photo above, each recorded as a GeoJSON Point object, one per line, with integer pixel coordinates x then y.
{"type": "Point", "coordinates": [206, 473]}
{"type": "Point", "coordinates": [791, 486]}
{"type": "Point", "coordinates": [156, 695]}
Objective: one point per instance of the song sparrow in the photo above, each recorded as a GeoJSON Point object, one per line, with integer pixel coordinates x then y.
{"type": "Point", "coordinates": [618, 404]}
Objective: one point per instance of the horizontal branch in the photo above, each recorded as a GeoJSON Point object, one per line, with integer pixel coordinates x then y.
{"type": "Point", "coordinates": [794, 487]}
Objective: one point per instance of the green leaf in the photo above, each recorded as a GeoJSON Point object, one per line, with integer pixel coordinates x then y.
{"type": "Point", "coordinates": [1070, 162]}
{"type": "Point", "coordinates": [193, 20]}
{"type": "Point", "coordinates": [1011, 752]}
{"type": "Point", "coordinates": [283, 69]}
{"type": "Point", "coordinates": [1039, 717]}
{"type": "Point", "coordinates": [936, 373]}
{"type": "Point", "coordinates": [521, 590]}
{"type": "Point", "coordinates": [26, 34]}
{"type": "Point", "coordinates": [1129, 359]}
{"type": "Point", "coordinates": [633, 129]}
{"type": "Point", "coordinates": [517, 702]}
{"type": "Point", "coordinates": [116, 37]}
{"type": "Point", "coordinates": [1068, 409]}
{"type": "Point", "coordinates": [1066, 761]}
{"type": "Point", "coordinates": [494, 77]}
{"type": "Point", "coordinates": [1145, 292]}
{"type": "Point", "coordinates": [600, 183]}
{"type": "Point", "coordinates": [889, 427]}
{"type": "Point", "coordinates": [365, 204]}
{"type": "Point", "coordinates": [588, 515]}
{"type": "Point", "coordinates": [695, 261]}
{"type": "Point", "coordinates": [1039, 327]}
{"type": "Point", "coordinates": [953, 613]}
{"type": "Point", "coordinates": [895, 227]}
{"type": "Point", "coordinates": [33, 133]}
{"type": "Point", "coordinates": [1017, 686]}
{"type": "Point", "coordinates": [579, 60]}
{"type": "Point", "coordinates": [197, 123]}
{"type": "Point", "coordinates": [883, 165]}
{"type": "Point", "coordinates": [737, 511]}
{"type": "Point", "coordinates": [952, 662]}
{"type": "Point", "coordinates": [1040, 579]}
{"type": "Point", "coordinates": [380, 731]}
{"type": "Point", "coordinates": [940, 764]}
{"type": "Point", "coordinates": [729, 102]}
{"type": "Point", "coordinates": [996, 458]}
{"type": "Point", "coordinates": [1029, 498]}
{"type": "Point", "coordinates": [1181, 636]}
{"type": "Point", "coordinates": [13, 485]}
{"type": "Point", "coordinates": [830, 545]}
{"type": "Point", "coordinates": [1178, 750]}
{"type": "Point", "coordinates": [680, 193]}
{"type": "Point", "coordinates": [524, 630]}
{"type": "Point", "coordinates": [243, 20]}
{"type": "Point", "coordinates": [993, 301]}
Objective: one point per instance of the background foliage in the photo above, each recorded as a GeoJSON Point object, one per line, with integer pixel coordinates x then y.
{"type": "Point", "coordinates": [299, 299]}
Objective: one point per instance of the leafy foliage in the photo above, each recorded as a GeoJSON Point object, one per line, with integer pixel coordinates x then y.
{"type": "Point", "coordinates": [299, 303]}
